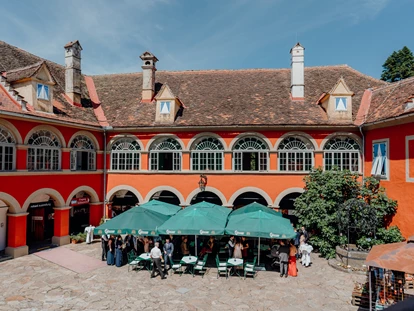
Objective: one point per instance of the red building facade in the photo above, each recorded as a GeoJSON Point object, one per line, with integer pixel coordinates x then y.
{"type": "Point", "coordinates": [76, 148]}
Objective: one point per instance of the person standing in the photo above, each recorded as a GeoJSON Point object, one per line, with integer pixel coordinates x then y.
{"type": "Point", "coordinates": [245, 248]}
{"type": "Point", "coordinates": [238, 247]}
{"type": "Point", "coordinates": [284, 259]}
{"type": "Point", "coordinates": [104, 246]}
{"type": "Point", "coordinates": [156, 257]}
{"type": "Point", "coordinates": [305, 234]}
{"type": "Point", "coordinates": [184, 247]}
{"type": "Point", "coordinates": [230, 245]}
{"type": "Point", "coordinates": [292, 269]}
{"type": "Point", "coordinates": [129, 243]}
{"type": "Point", "coordinates": [146, 244]}
{"type": "Point", "coordinates": [306, 250]}
{"type": "Point", "coordinates": [168, 253]}
{"type": "Point", "coordinates": [110, 256]}
{"type": "Point", "coordinates": [118, 251]}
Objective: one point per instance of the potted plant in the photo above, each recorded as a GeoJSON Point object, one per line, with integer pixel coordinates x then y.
{"type": "Point", "coordinates": [74, 238]}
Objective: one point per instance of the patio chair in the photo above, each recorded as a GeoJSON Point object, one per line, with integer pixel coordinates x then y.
{"type": "Point", "coordinates": [249, 267]}
{"type": "Point", "coordinates": [176, 267]}
{"type": "Point", "coordinates": [221, 268]}
{"type": "Point", "coordinates": [201, 266]}
{"type": "Point", "coordinates": [132, 260]}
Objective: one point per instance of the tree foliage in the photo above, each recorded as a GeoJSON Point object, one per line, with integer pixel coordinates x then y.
{"type": "Point", "coordinates": [335, 200]}
{"type": "Point", "coordinates": [398, 66]}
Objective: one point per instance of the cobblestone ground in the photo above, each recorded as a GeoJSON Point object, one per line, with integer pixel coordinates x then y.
{"type": "Point", "coordinates": [32, 283]}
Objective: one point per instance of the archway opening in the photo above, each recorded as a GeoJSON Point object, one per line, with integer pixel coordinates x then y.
{"type": "Point", "coordinates": [166, 196]}
{"type": "Point", "coordinates": [287, 207]}
{"type": "Point", "coordinates": [3, 227]}
{"type": "Point", "coordinates": [122, 201]}
{"type": "Point", "coordinates": [247, 198]}
{"type": "Point", "coordinates": [40, 222]}
{"type": "Point", "coordinates": [207, 196]}
{"type": "Point", "coordinates": [79, 213]}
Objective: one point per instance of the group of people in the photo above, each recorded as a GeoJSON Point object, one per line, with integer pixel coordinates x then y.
{"type": "Point", "coordinates": [112, 250]}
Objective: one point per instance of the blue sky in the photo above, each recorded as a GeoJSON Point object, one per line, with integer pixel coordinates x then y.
{"type": "Point", "coordinates": [211, 34]}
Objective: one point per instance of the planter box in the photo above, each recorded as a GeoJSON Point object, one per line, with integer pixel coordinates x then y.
{"type": "Point", "coordinates": [351, 258]}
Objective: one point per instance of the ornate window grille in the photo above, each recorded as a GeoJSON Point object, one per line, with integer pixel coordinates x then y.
{"type": "Point", "coordinates": [165, 155]}
{"type": "Point", "coordinates": [250, 154]}
{"type": "Point", "coordinates": [342, 152]}
{"type": "Point", "coordinates": [207, 155]}
{"type": "Point", "coordinates": [44, 151]}
{"type": "Point", "coordinates": [295, 155]}
{"type": "Point", "coordinates": [83, 154]}
{"type": "Point", "coordinates": [125, 155]}
{"type": "Point", "coordinates": [7, 150]}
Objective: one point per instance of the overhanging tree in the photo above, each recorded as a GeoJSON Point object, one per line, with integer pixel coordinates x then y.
{"type": "Point", "coordinates": [336, 199]}
{"type": "Point", "coordinates": [398, 66]}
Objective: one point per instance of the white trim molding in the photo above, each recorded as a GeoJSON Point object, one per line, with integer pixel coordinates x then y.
{"type": "Point", "coordinates": [55, 195]}
{"type": "Point", "coordinates": [209, 189]}
{"type": "Point", "coordinates": [114, 190]}
{"type": "Point", "coordinates": [12, 204]}
{"type": "Point", "coordinates": [285, 193]}
{"type": "Point", "coordinates": [408, 178]}
{"type": "Point", "coordinates": [165, 188]}
{"type": "Point", "coordinates": [49, 128]}
{"type": "Point", "coordinates": [94, 196]}
{"type": "Point", "coordinates": [388, 163]}
{"type": "Point", "coordinates": [87, 134]}
{"type": "Point", "coordinates": [250, 189]}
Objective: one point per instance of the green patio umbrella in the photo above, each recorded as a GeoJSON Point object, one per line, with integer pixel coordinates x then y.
{"type": "Point", "coordinates": [259, 221]}
{"type": "Point", "coordinates": [199, 219]}
{"type": "Point", "coordinates": [138, 221]}
{"type": "Point", "coordinates": [161, 207]}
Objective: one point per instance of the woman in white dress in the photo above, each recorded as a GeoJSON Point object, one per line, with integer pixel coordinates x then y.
{"type": "Point", "coordinates": [238, 247]}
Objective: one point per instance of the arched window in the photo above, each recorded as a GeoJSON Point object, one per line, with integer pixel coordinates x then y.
{"type": "Point", "coordinates": [7, 150]}
{"type": "Point", "coordinates": [295, 155]}
{"type": "Point", "coordinates": [250, 154]}
{"type": "Point", "coordinates": [165, 155]}
{"type": "Point", "coordinates": [44, 151]}
{"type": "Point", "coordinates": [83, 154]}
{"type": "Point", "coordinates": [207, 155]}
{"type": "Point", "coordinates": [342, 152]}
{"type": "Point", "coordinates": [125, 155]}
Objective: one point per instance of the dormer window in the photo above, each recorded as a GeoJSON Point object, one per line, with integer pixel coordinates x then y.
{"type": "Point", "coordinates": [42, 91]}
{"type": "Point", "coordinates": [340, 103]}
{"type": "Point", "coordinates": [165, 107]}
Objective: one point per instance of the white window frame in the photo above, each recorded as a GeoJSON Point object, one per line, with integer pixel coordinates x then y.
{"type": "Point", "coordinates": [377, 161]}
{"type": "Point", "coordinates": [210, 152]}
{"type": "Point", "coordinates": [7, 141]}
{"type": "Point", "coordinates": [346, 103]}
{"type": "Point", "coordinates": [130, 154]}
{"type": "Point", "coordinates": [340, 155]}
{"type": "Point", "coordinates": [262, 157]}
{"type": "Point", "coordinates": [284, 154]}
{"type": "Point", "coordinates": [48, 91]}
{"type": "Point", "coordinates": [89, 148]}
{"type": "Point", "coordinates": [408, 178]}
{"type": "Point", "coordinates": [161, 146]}
{"type": "Point", "coordinates": [36, 152]}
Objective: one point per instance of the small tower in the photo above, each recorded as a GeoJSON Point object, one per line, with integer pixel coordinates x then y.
{"type": "Point", "coordinates": [297, 74]}
{"type": "Point", "coordinates": [148, 76]}
{"type": "Point", "coordinates": [73, 73]}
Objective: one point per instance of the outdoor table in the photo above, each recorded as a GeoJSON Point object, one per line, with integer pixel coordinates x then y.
{"type": "Point", "coordinates": [147, 259]}
{"type": "Point", "coordinates": [234, 263]}
{"type": "Point", "coordinates": [189, 261]}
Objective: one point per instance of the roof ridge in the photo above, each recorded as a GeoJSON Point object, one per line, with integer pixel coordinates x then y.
{"type": "Point", "coordinates": [392, 84]}
{"type": "Point", "coordinates": [39, 63]}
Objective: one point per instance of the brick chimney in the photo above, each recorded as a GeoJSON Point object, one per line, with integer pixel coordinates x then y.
{"type": "Point", "coordinates": [148, 76]}
{"type": "Point", "coordinates": [297, 74]}
{"type": "Point", "coordinates": [73, 73]}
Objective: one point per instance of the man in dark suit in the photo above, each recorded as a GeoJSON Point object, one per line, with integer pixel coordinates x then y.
{"type": "Point", "coordinates": [284, 258]}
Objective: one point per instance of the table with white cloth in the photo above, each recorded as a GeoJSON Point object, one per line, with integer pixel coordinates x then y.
{"type": "Point", "coordinates": [236, 264]}
{"type": "Point", "coordinates": [147, 259]}
{"type": "Point", "coordinates": [190, 262]}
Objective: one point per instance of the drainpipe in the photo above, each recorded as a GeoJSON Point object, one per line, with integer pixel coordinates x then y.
{"type": "Point", "coordinates": [105, 128]}
{"type": "Point", "coordinates": [363, 152]}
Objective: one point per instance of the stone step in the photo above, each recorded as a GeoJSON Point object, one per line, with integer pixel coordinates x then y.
{"type": "Point", "coordinates": [5, 257]}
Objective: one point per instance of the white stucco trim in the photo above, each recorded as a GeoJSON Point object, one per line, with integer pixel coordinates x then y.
{"type": "Point", "coordinates": [196, 138]}
{"type": "Point", "coordinates": [12, 129]}
{"type": "Point", "coordinates": [87, 134]}
{"type": "Point", "coordinates": [124, 135]}
{"type": "Point", "coordinates": [285, 193]}
{"type": "Point", "coordinates": [14, 206]}
{"type": "Point", "coordinates": [388, 164]}
{"type": "Point", "coordinates": [114, 190]}
{"type": "Point", "coordinates": [250, 189]}
{"type": "Point", "coordinates": [408, 178]}
{"type": "Point", "coordinates": [298, 134]}
{"type": "Point", "coordinates": [88, 190]}
{"type": "Point", "coordinates": [253, 134]}
{"type": "Point", "coordinates": [46, 128]}
{"type": "Point", "coordinates": [165, 135]}
{"type": "Point", "coordinates": [164, 188]}
{"type": "Point", "coordinates": [55, 195]}
{"type": "Point", "coordinates": [210, 189]}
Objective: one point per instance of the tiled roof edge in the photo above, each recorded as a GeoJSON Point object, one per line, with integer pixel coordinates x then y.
{"type": "Point", "coordinates": [97, 107]}
{"type": "Point", "coordinates": [13, 94]}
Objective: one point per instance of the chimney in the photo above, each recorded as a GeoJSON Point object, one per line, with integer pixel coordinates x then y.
{"type": "Point", "coordinates": [73, 73]}
{"type": "Point", "coordinates": [297, 73]}
{"type": "Point", "coordinates": [148, 76]}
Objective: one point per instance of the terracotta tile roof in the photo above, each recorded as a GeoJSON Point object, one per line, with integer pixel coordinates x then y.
{"type": "Point", "coordinates": [17, 63]}
{"type": "Point", "coordinates": [230, 97]}
{"type": "Point", "coordinates": [389, 101]}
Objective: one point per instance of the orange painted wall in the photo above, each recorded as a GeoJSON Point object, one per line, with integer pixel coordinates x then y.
{"type": "Point", "coordinates": [16, 231]}
{"type": "Point", "coordinates": [397, 186]}
{"type": "Point", "coordinates": [61, 222]}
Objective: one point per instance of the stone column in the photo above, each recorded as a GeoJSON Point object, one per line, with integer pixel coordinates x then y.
{"type": "Point", "coordinates": [61, 225]}
{"type": "Point", "coordinates": [16, 235]}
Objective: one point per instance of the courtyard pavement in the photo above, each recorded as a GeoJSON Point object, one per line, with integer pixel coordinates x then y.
{"type": "Point", "coordinates": [34, 283]}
